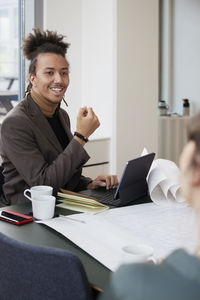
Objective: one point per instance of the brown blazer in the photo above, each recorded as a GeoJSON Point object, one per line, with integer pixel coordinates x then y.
{"type": "Point", "coordinates": [32, 155]}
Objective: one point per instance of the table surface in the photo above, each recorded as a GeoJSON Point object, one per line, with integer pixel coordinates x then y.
{"type": "Point", "coordinates": [41, 235]}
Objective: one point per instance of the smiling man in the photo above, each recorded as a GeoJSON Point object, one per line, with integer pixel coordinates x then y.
{"type": "Point", "coordinates": [37, 146]}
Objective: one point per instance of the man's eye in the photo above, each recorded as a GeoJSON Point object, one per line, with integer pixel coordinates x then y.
{"type": "Point", "coordinates": [49, 73]}
{"type": "Point", "coordinates": [65, 73]}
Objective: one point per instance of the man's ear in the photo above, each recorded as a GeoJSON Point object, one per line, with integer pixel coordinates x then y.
{"type": "Point", "coordinates": [32, 79]}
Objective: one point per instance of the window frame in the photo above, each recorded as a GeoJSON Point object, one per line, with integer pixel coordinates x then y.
{"type": "Point", "coordinates": [30, 16]}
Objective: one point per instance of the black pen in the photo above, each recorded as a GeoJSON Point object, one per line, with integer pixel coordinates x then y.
{"type": "Point", "coordinates": [72, 219]}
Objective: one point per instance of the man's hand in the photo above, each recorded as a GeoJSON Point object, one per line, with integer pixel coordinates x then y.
{"type": "Point", "coordinates": [87, 121]}
{"type": "Point", "coordinates": [109, 181]}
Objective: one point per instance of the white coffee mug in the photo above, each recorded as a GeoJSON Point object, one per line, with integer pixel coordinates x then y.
{"type": "Point", "coordinates": [136, 253]}
{"type": "Point", "coordinates": [43, 207]}
{"type": "Point", "coordinates": [38, 190]}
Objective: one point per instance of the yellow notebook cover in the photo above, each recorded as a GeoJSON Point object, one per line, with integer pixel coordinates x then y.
{"type": "Point", "coordinates": [79, 202]}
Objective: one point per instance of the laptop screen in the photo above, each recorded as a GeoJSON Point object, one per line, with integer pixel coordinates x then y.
{"type": "Point", "coordinates": [133, 183]}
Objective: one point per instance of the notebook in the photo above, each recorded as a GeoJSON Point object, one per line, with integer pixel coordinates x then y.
{"type": "Point", "coordinates": [132, 187]}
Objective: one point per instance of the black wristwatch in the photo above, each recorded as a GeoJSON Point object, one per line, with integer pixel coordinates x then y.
{"type": "Point", "coordinates": [80, 136]}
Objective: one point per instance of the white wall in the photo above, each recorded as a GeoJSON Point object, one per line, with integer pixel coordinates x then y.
{"type": "Point", "coordinates": [137, 79]}
{"type": "Point", "coordinates": [97, 61]}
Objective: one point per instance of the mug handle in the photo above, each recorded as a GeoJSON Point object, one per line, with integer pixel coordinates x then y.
{"type": "Point", "coordinates": [26, 191]}
{"type": "Point", "coordinates": [152, 260]}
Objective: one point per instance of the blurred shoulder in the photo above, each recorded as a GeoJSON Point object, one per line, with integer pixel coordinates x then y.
{"type": "Point", "coordinates": [178, 276]}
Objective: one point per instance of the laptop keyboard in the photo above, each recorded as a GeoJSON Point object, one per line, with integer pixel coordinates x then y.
{"type": "Point", "coordinates": [106, 196]}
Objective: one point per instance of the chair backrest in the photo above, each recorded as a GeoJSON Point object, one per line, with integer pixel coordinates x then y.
{"type": "Point", "coordinates": [34, 272]}
{"type": "Point", "coordinates": [1, 180]}
{"type": "Point", "coordinates": [6, 103]}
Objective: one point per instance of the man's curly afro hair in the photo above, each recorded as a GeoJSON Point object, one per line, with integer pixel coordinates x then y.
{"type": "Point", "coordinates": [44, 42]}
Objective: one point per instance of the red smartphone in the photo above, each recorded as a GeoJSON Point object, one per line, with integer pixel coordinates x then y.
{"type": "Point", "coordinates": [14, 217]}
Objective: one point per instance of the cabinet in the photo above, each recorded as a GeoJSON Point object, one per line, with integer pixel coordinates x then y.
{"type": "Point", "coordinates": [99, 162]}
{"type": "Point", "coordinates": [172, 136]}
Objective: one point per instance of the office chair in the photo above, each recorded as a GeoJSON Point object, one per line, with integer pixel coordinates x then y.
{"type": "Point", "coordinates": [6, 102]}
{"type": "Point", "coordinates": [34, 272]}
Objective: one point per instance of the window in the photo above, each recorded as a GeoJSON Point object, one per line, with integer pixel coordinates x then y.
{"type": "Point", "coordinates": [9, 50]}
{"type": "Point", "coordinates": [17, 18]}
{"type": "Point", "coordinates": [180, 59]}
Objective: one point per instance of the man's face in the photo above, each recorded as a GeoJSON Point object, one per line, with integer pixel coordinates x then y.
{"type": "Point", "coordinates": [52, 77]}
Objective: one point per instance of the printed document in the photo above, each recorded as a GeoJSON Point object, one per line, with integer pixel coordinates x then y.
{"type": "Point", "coordinates": [103, 235]}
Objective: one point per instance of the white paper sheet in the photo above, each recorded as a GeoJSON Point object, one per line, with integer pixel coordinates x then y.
{"type": "Point", "coordinates": [103, 235]}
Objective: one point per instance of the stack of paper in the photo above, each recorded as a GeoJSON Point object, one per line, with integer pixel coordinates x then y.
{"type": "Point", "coordinates": [79, 202]}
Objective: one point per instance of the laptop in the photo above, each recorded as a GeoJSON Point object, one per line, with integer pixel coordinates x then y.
{"type": "Point", "coordinates": [132, 187]}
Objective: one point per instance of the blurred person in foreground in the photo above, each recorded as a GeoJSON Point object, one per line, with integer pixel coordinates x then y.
{"type": "Point", "coordinates": [37, 146]}
{"type": "Point", "coordinates": [178, 276]}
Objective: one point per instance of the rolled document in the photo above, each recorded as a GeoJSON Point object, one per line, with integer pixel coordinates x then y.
{"type": "Point", "coordinates": [164, 183]}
